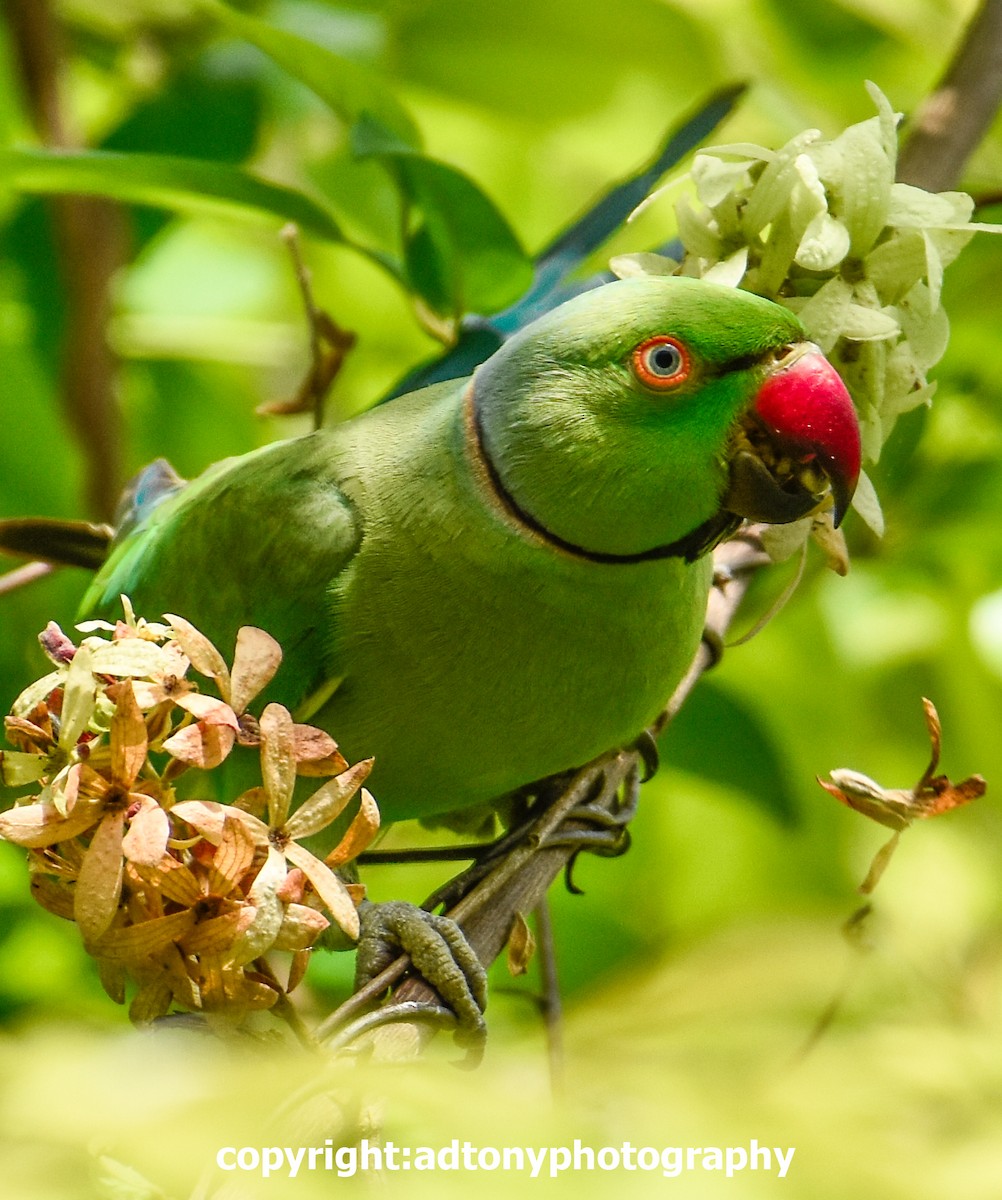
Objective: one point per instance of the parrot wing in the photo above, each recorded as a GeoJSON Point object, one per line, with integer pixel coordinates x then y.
{"type": "Point", "coordinates": [227, 544]}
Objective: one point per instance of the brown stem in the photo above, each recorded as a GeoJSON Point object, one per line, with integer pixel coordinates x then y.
{"type": "Point", "coordinates": [90, 238]}
{"type": "Point", "coordinates": [550, 1000]}
{"type": "Point", "coordinates": [956, 115]}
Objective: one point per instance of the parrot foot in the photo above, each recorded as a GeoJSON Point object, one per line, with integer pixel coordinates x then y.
{"type": "Point", "coordinates": [646, 746]}
{"type": "Point", "coordinates": [438, 951]}
{"type": "Point", "coordinates": [604, 833]}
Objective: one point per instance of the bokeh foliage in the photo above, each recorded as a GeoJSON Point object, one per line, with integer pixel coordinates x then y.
{"type": "Point", "coordinates": [696, 966]}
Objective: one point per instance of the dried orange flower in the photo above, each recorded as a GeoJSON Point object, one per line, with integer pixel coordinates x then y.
{"type": "Point", "coordinates": [896, 808]}
{"type": "Point", "coordinates": [182, 897]}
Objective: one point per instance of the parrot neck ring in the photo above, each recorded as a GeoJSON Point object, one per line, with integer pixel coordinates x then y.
{"type": "Point", "coordinates": [690, 546]}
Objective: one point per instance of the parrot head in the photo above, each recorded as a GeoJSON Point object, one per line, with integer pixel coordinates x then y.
{"type": "Point", "coordinates": [647, 418]}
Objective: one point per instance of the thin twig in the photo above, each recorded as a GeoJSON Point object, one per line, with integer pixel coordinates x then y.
{"type": "Point", "coordinates": [550, 1001]}
{"type": "Point", "coordinates": [329, 345]}
{"type": "Point", "coordinates": [21, 576]}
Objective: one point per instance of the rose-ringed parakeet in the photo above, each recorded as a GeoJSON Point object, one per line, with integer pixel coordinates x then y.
{"type": "Point", "coordinates": [496, 578]}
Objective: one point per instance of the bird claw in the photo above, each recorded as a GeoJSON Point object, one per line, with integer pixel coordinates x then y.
{"type": "Point", "coordinates": [438, 951]}
{"type": "Point", "coordinates": [646, 746]}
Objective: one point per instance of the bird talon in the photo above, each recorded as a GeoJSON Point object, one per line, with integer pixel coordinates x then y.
{"type": "Point", "coordinates": [438, 951]}
{"type": "Point", "coordinates": [650, 756]}
{"type": "Point", "coordinates": [715, 644]}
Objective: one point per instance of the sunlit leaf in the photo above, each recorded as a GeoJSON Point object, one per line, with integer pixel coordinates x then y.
{"type": "Point", "coordinates": [461, 253]}
{"type": "Point", "coordinates": [346, 87]}
{"type": "Point", "coordinates": [179, 184]}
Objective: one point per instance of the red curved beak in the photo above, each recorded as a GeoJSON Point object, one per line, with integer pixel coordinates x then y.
{"type": "Point", "coordinates": [808, 414]}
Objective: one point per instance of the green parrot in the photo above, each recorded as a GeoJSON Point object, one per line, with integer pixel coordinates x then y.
{"type": "Point", "coordinates": [496, 578]}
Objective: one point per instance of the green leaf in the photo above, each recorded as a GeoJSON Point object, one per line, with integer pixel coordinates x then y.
{"type": "Point", "coordinates": [345, 86]}
{"type": "Point", "coordinates": [461, 254]}
{"type": "Point", "coordinates": [182, 184]}
{"type": "Point", "coordinates": [715, 736]}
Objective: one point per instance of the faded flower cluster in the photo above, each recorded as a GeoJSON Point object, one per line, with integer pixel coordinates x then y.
{"type": "Point", "coordinates": [822, 227]}
{"type": "Point", "coordinates": [184, 897]}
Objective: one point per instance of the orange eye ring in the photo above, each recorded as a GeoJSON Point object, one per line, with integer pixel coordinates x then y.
{"type": "Point", "coordinates": [661, 363]}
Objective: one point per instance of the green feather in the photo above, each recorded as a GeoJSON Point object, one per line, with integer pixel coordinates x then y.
{"type": "Point", "coordinates": [425, 599]}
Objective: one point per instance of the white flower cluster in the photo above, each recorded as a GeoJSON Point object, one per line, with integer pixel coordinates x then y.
{"type": "Point", "coordinates": [822, 227]}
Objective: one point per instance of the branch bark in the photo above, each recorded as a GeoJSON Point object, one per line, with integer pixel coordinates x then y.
{"type": "Point", "coordinates": [956, 115]}
{"type": "Point", "coordinates": [91, 244]}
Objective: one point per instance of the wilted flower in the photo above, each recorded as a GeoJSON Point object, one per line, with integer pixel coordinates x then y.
{"type": "Point", "coordinates": [183, 897]}
{"type": "Point", "coordinates": [896, 808]}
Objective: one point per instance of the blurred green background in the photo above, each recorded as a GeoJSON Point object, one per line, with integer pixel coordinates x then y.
{"type": "Point", "coordinates": [696, 967]}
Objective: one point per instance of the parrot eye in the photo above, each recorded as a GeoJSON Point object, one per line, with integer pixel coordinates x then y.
{"type": "Point", "coordinates": [661, 362]}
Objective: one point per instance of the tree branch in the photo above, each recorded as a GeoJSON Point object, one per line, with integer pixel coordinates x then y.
{"type": "Point", "coordinates": [91, 241]}
{"type": "Point", "coordinates": [954, 118]}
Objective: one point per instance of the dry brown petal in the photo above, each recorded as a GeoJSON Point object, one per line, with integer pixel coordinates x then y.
{"type": "Point", "coordinates": [257, 994]}
{"type": "Point", "coordinates": [216, 935]}
{"type": "Point", "coordinates": [206, 816]}
{"type": "Point", "coordinates": [99, 885]}
{"type": "Point", "coordinates": [57, 646]}
{"type": "Point", "coordinates": [278, 762]}
{"type": "Point", "coordinates": [211, 983]}
{"type": "Point", "coordinates": [175, 881]}
{"type": "Point", "coordinates": [28, 734]}
{"type": "Point", "coordinates": [363, 828]}
{"type": "Point", "coordinates": [521, 946]}
{"type": "Point", "coordinates": [185, 992]}
{"type": "Point", "coordinates": [113, 977]}
{"type": "Point", "coordinates": [202, 746]}
{"type": "Point", "coordinates": [209, 818]}
{"type": "Point", "coordinates": [259, 936]}
{"type": "Point", "coordinates": [255, 660]}
{"type": "Point", "coordinates": [253, 801]}
{"type": "Point", "coordinates": [941, 795]}
{"type": "Point", "coordinates": [297, 970]}
{"type": "Point", "coordinates": [152, 1000]}
{"type": "Point", "coordinates": [232, 859]}
{"type": "Point", "coordinates": [146, 841]}
{"type": "Point", "coordinates": [879, 864]}
{"type": "Point", "coordinates": [327, 802]}
{"type": "Point", "coordinates": [888, 806]}
{"type": "Point", "coordinates": [932, 723]}
{"type": "Point", "coordinates": [129, 657]}
{"type": "Point", "coordinates": [36, 825]}
{"type": "Point", "coordinates": [201, 653]}
{"type": "Point", "coordinates": [145, 941]}
{"type": "Point", "coordinates": [832, 542]}
{"type": "Point", "coordinates": [898, 807]}
{"type": "Point", "coordinates": [356, 891]}
{"type": "Point", "coordinates": [328, 887]}
{"type": "Point", "coordinates": [300, 928]}
{"type": "Point", "coordinates": [208, 710]}
{"type": "Point", "coordinates": [294, 887]}
{"type": "Point", "coordinates": [54, 895]}
{"type": "Point", "coordinates": [317, 752]}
